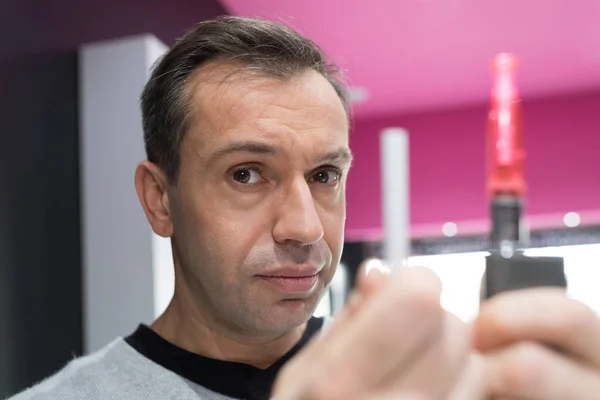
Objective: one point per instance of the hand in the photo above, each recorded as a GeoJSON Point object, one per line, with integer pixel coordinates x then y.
{"type": "Point", "coordinates": [539, 344]}
{"type": "Point", "coordinates": [392, 340]}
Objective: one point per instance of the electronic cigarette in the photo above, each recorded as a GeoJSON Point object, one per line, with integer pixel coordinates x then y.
{"type": "Point", "coordinates": [507, 268]}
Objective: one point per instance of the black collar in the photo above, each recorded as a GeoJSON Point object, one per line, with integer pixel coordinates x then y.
{"type": "Point", "coordinates": [237, 380]}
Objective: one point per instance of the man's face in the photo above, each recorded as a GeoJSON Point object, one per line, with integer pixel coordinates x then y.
{"type": "Point", "coordinates": [259, 207]}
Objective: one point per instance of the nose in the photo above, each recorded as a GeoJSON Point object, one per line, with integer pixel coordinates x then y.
{"type": "Point", "coordinates": [298, 220]}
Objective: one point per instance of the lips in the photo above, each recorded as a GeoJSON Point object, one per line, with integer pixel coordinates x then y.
{"type": "Point", "coordinates": [292, 281]}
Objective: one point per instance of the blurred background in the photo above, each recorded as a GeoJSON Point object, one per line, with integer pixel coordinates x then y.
{"type": "Point", "coordinates": [78, 262]}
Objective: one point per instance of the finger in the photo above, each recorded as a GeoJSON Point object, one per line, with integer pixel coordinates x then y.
{"type": "Point", "coordinates": [397, 396]}
{"type": "Point", "coordinates": [436, 369]}
{"type": "Point", "coordinates": [390, 327]}
{"type": "Point", "coordinates": [368, 283]}
{"type": "Point", "coordinates": [385, 334]}
{"type": "Point", "coordinates": [531, 371]}
{"type": "Point", "coordinates": [369, 280]}
{"type": "Point", "coordinates": [367, 286]}
{"type": "Point", "coordinates": [471, 383]}
{"type": "Point", "coordinates": [541, 315]}
{"type": "Point", "coordinates": [372, 282]}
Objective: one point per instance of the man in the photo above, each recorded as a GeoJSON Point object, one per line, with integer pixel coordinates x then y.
{"type": "Point", "coordinates": [246, 131]}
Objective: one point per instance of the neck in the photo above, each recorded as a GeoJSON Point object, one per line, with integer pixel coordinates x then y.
{"type": "Point", "coordinates": [189, 326]}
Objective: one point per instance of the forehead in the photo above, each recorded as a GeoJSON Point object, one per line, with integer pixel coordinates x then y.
{"type": "Point", "coordinates": [233, 104]}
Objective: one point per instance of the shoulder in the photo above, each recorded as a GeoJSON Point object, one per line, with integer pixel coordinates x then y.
{"type": "Point", "coordinates": [116, 371]}
{"type": "Point", "coordinates": [89, 377]}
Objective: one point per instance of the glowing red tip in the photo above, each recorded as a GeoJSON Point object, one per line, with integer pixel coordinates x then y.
{"type": "Point", "coordinates": [505, 136]}
{"type": "Point", "coordinates": [505, 62]}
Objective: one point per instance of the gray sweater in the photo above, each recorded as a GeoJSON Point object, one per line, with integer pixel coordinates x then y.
{"type": "Point", "coordinates": [117, 372]}
{"type": "Point", "coordinates": [141, 367]}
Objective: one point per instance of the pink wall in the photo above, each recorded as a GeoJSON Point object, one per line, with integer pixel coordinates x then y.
{"type": "Point", "coordinates": [562, 138]}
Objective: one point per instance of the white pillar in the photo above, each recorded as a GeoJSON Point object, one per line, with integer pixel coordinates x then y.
{"type": "Point", "coordinates": [127, 269]}
{"type": "Point", "coordinates": [395, 196]}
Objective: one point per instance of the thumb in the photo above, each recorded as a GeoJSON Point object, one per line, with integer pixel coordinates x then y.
{"type": "Point", "coordinates": [370, 278]}
{"type": "Point", "coordinates": [369, 281]}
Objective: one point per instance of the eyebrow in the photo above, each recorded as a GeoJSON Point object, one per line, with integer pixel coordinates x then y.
{"type": "Point", "coordinates": [247, 147]}
{"type": "Point", "coordinates": [341, 155]}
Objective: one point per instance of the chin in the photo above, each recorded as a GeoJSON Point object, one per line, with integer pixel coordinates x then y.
{"type": "Point", "coordinates": [279, 313]}
{"type": "Point", "coordinates": [289, 314]}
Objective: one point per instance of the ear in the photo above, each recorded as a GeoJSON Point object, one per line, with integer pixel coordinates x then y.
{"type": "Point", "coordinates": [151, 186]}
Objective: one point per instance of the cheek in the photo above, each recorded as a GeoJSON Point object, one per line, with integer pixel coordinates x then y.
{"type": "Point", "coordinates": [333, 221]}
{"type": "Point", "coordinates": [224, 216]}
{"type": "Point", "coordinates": [234, 232]}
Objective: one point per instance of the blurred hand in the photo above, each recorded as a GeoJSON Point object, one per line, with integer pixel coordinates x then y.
{"type": "Point", "coordinates": [393, 340]}
{"type": "Point", "coordinates": [539, 345]}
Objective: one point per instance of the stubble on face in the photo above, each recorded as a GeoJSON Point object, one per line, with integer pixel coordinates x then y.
{"type": "Point", "coordinates": [226, 232]}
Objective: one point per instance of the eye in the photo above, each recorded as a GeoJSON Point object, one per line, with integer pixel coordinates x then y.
{"type": "Point", "coordinates": [247, 176]}
{"type": "Point", "coordinates": [326, 177]}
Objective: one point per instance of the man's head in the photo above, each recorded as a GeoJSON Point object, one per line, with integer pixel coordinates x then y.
{"type": "Point", "coordinates": [246, 132]}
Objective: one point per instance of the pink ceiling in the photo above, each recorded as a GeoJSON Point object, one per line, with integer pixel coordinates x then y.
{"type": "Point", "coordinates": [415, 54]}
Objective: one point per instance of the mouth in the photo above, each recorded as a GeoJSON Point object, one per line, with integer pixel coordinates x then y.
{"type": "Point", "coordinates": [292, 281]}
